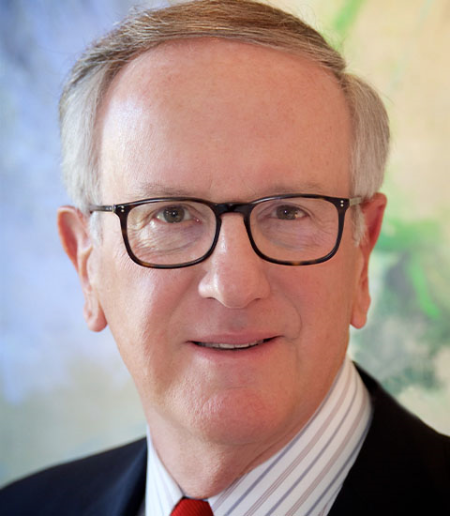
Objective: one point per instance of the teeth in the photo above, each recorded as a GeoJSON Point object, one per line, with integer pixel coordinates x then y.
{"type": "Point", "coordinates": [224, 345]}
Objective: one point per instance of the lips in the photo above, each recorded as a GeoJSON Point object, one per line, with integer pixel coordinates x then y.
{"type": "Point", "coordinates": [232, 346]}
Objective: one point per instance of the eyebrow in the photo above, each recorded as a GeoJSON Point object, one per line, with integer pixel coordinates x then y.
{"type": "Point", "coordinates": [148, 190]}
{"type": "Point", "coordinates": [145, 190]}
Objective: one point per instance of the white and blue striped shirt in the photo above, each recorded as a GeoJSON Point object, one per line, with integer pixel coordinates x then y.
{"type": "Point", "coordinates": [303, 478]}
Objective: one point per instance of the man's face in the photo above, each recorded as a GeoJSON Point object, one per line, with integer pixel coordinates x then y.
{"type": "Point", "coordinates": [225, 121]}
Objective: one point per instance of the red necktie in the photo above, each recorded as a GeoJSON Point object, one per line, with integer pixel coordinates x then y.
{"type": "Point", "coordinates": [189, 507]}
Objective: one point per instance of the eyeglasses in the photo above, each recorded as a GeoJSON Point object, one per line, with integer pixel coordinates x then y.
{"type": "Point", "coordinates": [174, 232]}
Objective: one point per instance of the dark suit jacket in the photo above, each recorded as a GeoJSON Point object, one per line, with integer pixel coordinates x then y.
{"type": "Point", "coordinates": [403, 469]}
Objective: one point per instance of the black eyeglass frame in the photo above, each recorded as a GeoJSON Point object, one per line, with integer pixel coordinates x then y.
{"type": "Point", "coordinates": [342, 204]}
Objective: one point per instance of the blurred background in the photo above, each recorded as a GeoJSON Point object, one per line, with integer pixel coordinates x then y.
{"type": "Point", "coordinates": [64, 391]}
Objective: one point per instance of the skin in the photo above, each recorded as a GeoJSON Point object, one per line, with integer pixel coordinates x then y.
{"type": "Point", "coordinates": [223, 121]}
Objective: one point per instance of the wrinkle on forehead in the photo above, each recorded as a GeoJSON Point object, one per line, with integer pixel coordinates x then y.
{"type": "Point", "coordinates": [153, 189]}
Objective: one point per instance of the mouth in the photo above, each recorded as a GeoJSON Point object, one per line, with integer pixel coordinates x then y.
{"type": "Point", "coordinates": [226, 346]}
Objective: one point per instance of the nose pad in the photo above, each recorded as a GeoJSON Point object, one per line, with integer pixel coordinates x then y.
{"type": "Point", "coordinates": [234, 274]}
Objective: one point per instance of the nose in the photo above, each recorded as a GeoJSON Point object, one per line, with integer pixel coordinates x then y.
{"type": "Point", "coordinates": [234, 274]}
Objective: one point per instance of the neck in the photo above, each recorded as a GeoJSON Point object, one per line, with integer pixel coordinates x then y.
{"type": "Point", "coordinates": [203, 468]}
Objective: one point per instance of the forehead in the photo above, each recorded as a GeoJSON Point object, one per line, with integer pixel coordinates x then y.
{"type": "Point", "coordinates": [217, 109]}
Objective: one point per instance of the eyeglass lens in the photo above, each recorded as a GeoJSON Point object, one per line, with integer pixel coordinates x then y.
{"type": "Point", "coordinates": [177, 232]}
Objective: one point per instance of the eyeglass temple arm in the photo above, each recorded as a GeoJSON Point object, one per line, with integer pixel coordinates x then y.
{"type": "Point", "coordinates": [355, 201]}
{"type": "Point", "coordinates": [97, 207]}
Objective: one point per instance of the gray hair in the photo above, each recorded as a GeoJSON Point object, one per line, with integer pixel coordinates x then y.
{"type": "Point", "coordinates": [246, 21]}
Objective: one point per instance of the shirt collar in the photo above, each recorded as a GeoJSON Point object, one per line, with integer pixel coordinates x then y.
{"type": "Point", "coordinates": [303, 478]}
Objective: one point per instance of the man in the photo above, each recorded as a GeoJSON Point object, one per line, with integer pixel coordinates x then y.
{"type": "Point", "coordinates": [225, 171]}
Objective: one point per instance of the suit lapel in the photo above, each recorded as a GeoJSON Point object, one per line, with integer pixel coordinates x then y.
{"type": "Point", "coordinates": [123, 493]}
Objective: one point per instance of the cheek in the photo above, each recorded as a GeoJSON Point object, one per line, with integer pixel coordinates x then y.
{"type": "Point", "coordinates": [140, 306]}
{"type": "Point", "coordinates": [322, 296]}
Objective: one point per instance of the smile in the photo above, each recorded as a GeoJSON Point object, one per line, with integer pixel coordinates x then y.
{"type": "Point", "coordinates": [231, 347]}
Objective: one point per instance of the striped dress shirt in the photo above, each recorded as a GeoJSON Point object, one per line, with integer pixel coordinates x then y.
{"type": "Point", "coordinates": [303, 478]}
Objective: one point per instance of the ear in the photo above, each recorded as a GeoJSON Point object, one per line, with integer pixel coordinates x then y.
{"type": "Point", "coordinates": [76, 240]}
{"type": "Point", "coordinates": [373, 211]}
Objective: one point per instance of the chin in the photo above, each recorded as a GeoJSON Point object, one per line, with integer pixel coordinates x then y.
{"type": "Point", "coordinates": [239, 418]}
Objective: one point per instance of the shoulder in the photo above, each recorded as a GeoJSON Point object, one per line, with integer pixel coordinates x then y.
{"type": "Point", "coordinates": [403, 466]}
{"type": "Point", "coordinates": [396, 429]}
{"type": "Point", "coordinates": [85, 486]}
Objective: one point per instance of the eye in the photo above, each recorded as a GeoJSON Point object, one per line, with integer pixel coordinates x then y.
{"type": "Point", "coordinates": [173, 214]}
{"type": "Point", "coordinates": [287, 212]}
